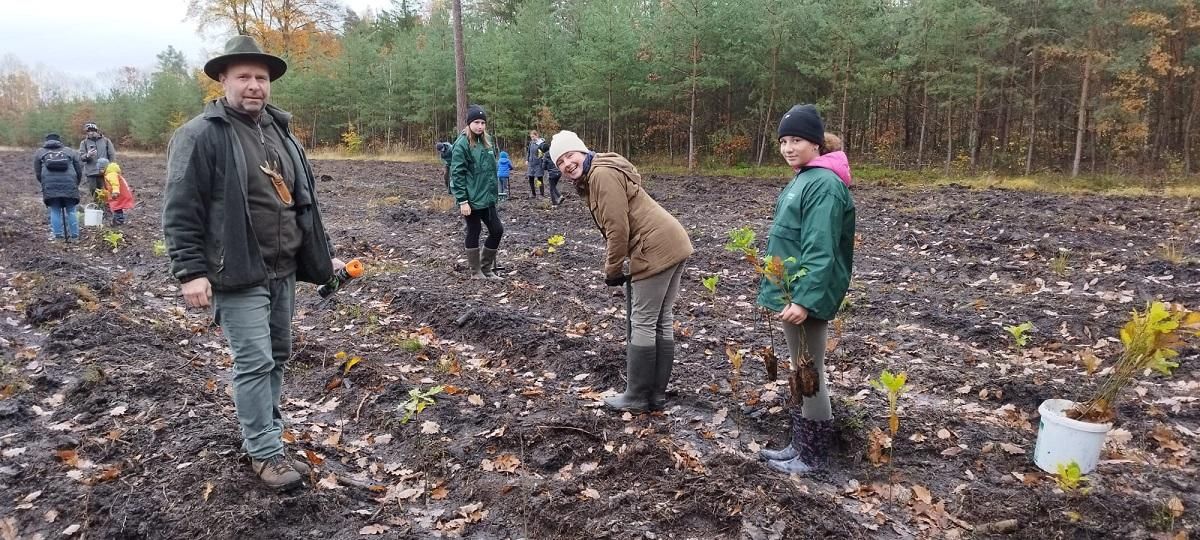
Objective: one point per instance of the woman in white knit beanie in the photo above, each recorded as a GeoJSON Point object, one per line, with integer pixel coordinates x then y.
{"type": "Point", "coordinates": [636, 229]}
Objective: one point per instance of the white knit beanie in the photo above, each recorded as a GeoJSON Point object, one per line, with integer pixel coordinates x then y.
{"type": "Point", "coordinates": [563, 142]}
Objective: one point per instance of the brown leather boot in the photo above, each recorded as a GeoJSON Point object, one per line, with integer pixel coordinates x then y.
{"type": "Point", "coordinates": [277, 472]}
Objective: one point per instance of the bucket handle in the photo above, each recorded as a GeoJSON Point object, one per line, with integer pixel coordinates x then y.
{"type": "Point", "coordinates": [89, 206]}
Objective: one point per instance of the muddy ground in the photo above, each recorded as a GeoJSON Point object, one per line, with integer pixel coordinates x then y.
{"type": "Point", "coordinates": [116, 419]}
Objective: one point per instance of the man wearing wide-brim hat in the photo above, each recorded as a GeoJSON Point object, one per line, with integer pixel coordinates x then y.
{"type": "Point", "coordinates": [242, 226]}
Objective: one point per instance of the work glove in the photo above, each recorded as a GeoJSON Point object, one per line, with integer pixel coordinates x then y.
{"type": "Point", "coordinates": [616, 281]}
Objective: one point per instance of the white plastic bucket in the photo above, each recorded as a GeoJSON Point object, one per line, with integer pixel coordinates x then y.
{"type": "Point", "coordinates": [1062, 440]}
{"type": "Point", "coordinates": [92, 216]}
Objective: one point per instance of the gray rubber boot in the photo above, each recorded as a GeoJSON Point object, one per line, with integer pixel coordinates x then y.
{"type": "Point", "coordinates": [814, 440]}
{"type": "Point", "coordinates": [793, 447]}
{"type": "Point", "coordinates": [473, 264]}
{"type": "Point", "coordinates": [487, 263]}
{"type": "Point", "coordinates": [639, 367]}
{"type": "Point", "coordinates": [664, 361]}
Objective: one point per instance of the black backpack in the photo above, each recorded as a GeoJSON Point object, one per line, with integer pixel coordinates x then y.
{"type": "Point", "coordinates": [57, 161]}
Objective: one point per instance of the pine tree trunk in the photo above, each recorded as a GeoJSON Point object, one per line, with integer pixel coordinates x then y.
{"type": "Point", "coordinates": [770, 106]}
{"type": "Point", "coordinates": [1187, 125]}
{"type": "Point", "coordinates": [1081, 119]}
{"type": "Point", "coordinates": [610, 146]}
{"type": "Point", "coordinates": [691, 160]}
{"type": "Point", "coordinates": [845, 98]}
{"type": "Point", "coordinates": [974, 138]}
{"type": "Point", "coordinates": [949, 135]}
{"type": "Point", "coordinates": [924, 123]}
{"type": "Point", "coordinates": [460, 66]}
{"type": "Point", "coordinates": [1033, 95]}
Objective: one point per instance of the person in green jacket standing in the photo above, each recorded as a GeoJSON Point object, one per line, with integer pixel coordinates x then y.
{"type": "Point", "coordinates": [813, 237]}
{"type": "Point", "coordinates": [473, 184]}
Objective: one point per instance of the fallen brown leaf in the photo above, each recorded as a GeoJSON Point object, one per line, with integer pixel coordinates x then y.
{"type": "Point", "coordinates": [922, 494]}
{"type": "Point", "coordinates": [1012, 449]}
{"type": "Point", "coordinates": [1175, 506]}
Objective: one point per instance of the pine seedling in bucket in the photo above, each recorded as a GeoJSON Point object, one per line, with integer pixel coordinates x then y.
{"type": "Point", "coordinates": [894, 386]}
{"type": "Point", "coordinates": [1151, 340]}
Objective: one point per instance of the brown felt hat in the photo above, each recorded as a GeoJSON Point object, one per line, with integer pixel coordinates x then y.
{"type": "Point", "coordinates": [244, 48]}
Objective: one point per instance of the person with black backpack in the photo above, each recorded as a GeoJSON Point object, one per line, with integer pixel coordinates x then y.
{"type": "Point", "coordinates": [59, 171]}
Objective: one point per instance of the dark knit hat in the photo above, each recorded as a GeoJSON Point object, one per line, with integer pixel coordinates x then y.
{"type": "Point", "coordinates": [53, 137]}
{"type": "Point", "coordinates": [803, 121]}
{"type": "Point", "coordinates": [475, 112]}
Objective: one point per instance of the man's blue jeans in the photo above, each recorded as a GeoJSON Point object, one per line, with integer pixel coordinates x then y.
{"type": "Point", "coordinates": [258, 325]}
{"type": "Point", "coordinates": [57, 207]}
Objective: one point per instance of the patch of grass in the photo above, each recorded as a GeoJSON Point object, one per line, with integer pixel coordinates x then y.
{"type": "Point", "coordinates": [401, 155]}
{"type": "Point", "coordinates": [442, 203]}
{"type": "Point", "coordinates": [390, 200]}
{"type": "Point", "coordinates": [664, 166]}
{"type": "Point", "coordinates": [93, 375]}
{"type": "Point", "coordinates": [411, 345]}
{"type": "Point", "coordinates": [11, 380]}
{"type": "Point", "coordinates": [383, 267]}
{"type": "Point", "coordinates": [1171, 252]}
{"type": "Point", "coordinates": [1058, 264]}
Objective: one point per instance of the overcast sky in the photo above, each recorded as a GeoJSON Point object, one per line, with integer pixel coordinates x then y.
{"type": "Point", "coordinates": [85, 39]}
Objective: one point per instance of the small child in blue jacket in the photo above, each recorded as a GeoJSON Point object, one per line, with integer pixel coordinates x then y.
{"type": "Point", "coordinates": [503, 170]}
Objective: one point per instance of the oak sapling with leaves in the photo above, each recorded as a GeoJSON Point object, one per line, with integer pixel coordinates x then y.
{"type": "Point", "coordinates": [418, 400]}
{"type": "Point", "coordinates": [710, 283]}
{"type": "Point", "coordinates": [1020, 334]}
{"type": "Point", "coordinates": [735, 363]}
{"type": "Point", "coordinates": [113, 239]}
{"type": "Point", "coordinates": [894, 385]}
{"type": "Point", "coordinates": [773, 268]}
{"type": "Point", "coordinates": [1069, 478]}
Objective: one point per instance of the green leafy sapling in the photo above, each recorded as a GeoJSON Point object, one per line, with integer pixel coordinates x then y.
{"type": "Point", "coordinates": [160, 248]}
{"type": "Point", "coordinates": [710, 283]}
{"type": "Point", "coordinates": [554, 242]}
{"type": "Point", "coordinates": [894, 385]}
{"type": "Point", "coordinates": [417, 401]}
{"type": "Point", "coordinates": [773, 268]}
{"type": "Point", "coordinates": [1020, 334]}
{"type": "Point", "coordinates": [1069, 478]}
{"type": "Point", "coordinates": [113, 239]}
